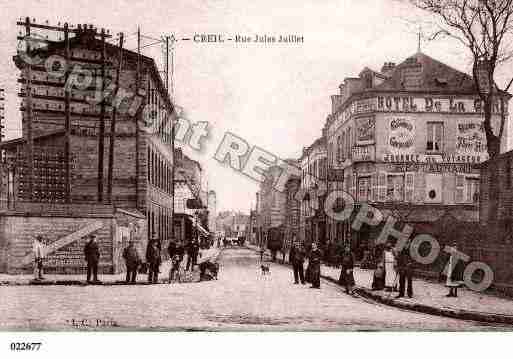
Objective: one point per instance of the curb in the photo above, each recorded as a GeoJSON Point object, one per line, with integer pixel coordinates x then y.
{"type": "Point", "coordinates": [442, 312]}
{"type": "Point", "coordinates": [422, 308]}
{"type": "Point", "coordinates": [81, 283]}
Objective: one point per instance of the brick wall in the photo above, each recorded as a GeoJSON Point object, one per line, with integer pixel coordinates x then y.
{"type": "Point", "coordinates": [17, 233]}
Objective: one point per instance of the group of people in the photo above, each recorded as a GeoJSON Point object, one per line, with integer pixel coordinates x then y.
{"type": "Point", "coordinates": [394, 268]}
{"type": "Point", "coordinates": [297, 256]}
{"type": "Point", "coordinates": [131, 256]}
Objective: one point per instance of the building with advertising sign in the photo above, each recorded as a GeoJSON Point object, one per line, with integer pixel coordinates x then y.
{"type": "Point", "coordinates": [408, 139]}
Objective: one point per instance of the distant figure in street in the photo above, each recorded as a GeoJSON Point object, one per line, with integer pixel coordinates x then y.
{"type": "Point", "coordinates": [92, 257]}
{"type": "Point", "coordinates": [454, 274]}
{"type": "Point", "coordinates": [297, 259]}
{"type": "Point", "coordinates": [132, 261]}
{"type": "Point", "coordinates": [346, 273]}
{"type": "Point", "coordinates": [405, 269]}
{"type": "Point", "coordinates": [192, 254]}
{"type": "Point", "coordinates": [314, 262]}
{"type": "Point", "coordinates": [262, 251]}
{"type": "Point", "coordinates": [153, 259]}
{"type": "Point", "coordinates": [389, 262]}
{"type": "Point", "coordinates": [38, 257]}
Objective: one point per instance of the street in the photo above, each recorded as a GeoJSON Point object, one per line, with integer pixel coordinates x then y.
{"type": "Point", "coordinates": [242, 299]}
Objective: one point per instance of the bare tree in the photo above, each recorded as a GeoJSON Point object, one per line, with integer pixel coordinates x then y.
{"type": "Point", "coordinates": [485, 27]}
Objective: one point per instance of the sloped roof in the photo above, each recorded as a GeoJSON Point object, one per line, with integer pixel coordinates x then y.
{"type": "Point", "coordinates": [434, 76]}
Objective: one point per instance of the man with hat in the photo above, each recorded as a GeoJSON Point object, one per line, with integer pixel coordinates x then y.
{"type": "Point", "coordinates": [38, 257]}
{"type": "Point", "coordinates": [132, 261]}
{"type": "Point", "coordinates": [92, 257]}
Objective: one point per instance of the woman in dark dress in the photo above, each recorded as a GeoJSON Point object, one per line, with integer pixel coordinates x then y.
{"type": "Point", "coordinates": [378, 279]}
{"type": "Point", "coordinates": [346, 273]}
{"type": "Point", "coordinates": [314, 264]}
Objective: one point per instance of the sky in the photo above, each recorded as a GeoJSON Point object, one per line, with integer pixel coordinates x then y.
{"type": "Point", "coordinates": [275, 96]}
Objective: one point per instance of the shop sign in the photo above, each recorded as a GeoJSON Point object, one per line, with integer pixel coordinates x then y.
{"type": "Point", "coordinates": [422, 158]}
{"type": "Point", "coordinates": [435, 167]}
{"type": "Point", "coordinates": [364, 153]}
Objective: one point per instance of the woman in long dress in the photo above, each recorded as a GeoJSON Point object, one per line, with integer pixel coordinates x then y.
{"type": "Point", "coordinates": [390, 268]}
{"type": "Point", "coordinates": [454, 278]}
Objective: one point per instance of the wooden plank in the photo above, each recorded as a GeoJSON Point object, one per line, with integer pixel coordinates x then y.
{"type": "Point", "coordinates": [64, 241]}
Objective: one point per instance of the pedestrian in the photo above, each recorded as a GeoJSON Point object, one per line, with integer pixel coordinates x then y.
{"type": "Point", "coordinates": [389, 263]}
{"type": "Point", "coordinates": [192, 254]}
{"type": "Point", "coordinates": [92, 256]}
{"type": "Point", "coordinates": [405, 270]}
{"type": "Point", "coordinates": [346, 273]}
{"type": "Point", "coordinates": [132, 260]}
{"type": "Point", "coordinates": [314, 263]}
{"type": "Point", "coordinates": [39, 254]}
{"type": "Point", "coordinates": [455, 272]}
{"type": "Point", "coordinates": [153, 259]}
{"type": "Point", "coordinates": [297, 258]}
{"type": "Point", "coordinates": [378, 278]}
{"type": "Point", "coordinates": [262, 251]}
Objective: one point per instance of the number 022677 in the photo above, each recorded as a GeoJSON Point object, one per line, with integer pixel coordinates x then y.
{"type": "Point", "coordinates": [22, 346]}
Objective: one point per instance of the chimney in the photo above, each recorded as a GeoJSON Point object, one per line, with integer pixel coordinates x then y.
{"type": "Point", "coordinates": [387, 68]}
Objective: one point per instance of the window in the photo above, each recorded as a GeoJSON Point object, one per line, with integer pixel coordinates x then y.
{"type": "Point", "coordinates": [434, 136]}
{"type": "Point", "coordinates": [395, 188]}
{"type": "Point", "coordinates": [364, 189]}
{"type": "Point", "coordinates": [339, 154]}
{"type": "Point", "coordinates": [472, 190]}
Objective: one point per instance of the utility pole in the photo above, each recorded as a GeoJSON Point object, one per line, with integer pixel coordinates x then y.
{"type": "Point", "coordinates": [113, 121]}
{"type": "Point", "coordinates": [67, 119]}
{"type": "Point", "coordinates": [138, 115]}
{"type": "Point", "coordinates": [29, 140]}
{"type": "Point", "coordinates": [101, 134]}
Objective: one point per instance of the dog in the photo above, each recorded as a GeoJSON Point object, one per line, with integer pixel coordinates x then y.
{"type": "Point", "coordinates": [265, 269]}
{"type": "Point", "coordinates": [176, 272]}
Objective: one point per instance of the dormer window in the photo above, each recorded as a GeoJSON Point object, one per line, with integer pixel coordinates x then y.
{"type": "Point", "coordinates": [441, 81]}
{"type": "Point", "coordinates": [368, 80]}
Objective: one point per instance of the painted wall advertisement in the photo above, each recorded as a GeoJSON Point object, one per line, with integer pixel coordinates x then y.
{"type": "Point", "coordinates": [471, 139]}
{"type": "Point", "coordinates": [365, 127]}
{"type": "Point", "coordinates": [401, 135]}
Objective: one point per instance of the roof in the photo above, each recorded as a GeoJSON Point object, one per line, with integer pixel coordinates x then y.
{"type": "Point", "coordinates": [434, 76]}
{"type": "Point", "coordinates": [21, 140]}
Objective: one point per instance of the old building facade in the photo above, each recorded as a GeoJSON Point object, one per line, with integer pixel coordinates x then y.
{"type": "Point", "coordinates": [70, 128]}
{"type": "Point", "coordinates": [408, 139]}
{"type": "Point", "coordinates": [313, 166]}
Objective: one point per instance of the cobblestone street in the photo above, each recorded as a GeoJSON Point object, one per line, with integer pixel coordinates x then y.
{"type": "Point", "coordinates": [242, 299]}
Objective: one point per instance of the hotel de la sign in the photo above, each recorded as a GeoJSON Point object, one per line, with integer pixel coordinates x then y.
{"type": "Point", "coordinates": [408, 139]}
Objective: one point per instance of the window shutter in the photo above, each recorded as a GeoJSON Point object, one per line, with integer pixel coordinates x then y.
{"type": "Point", "coordinates": [409, 187]}
{"type": "Point", "coordinates": [382, 186]}
{"type": "Point", "coordinates": [354, 178]}
{"type": "Point", "coordinates": [460, 188]}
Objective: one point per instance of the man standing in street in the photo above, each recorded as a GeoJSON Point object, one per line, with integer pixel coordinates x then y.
{"type": "Point", "coordinates": [38, 257]}
{"type": "Point", "coordinates": [192, 254]}
{"type": "Point", "coordinates": [132, 261]}
{"type": "Point", "coordinates": [297, 258]}
{"type": "Point", "coordinates": [92, 256]}
{"type": "Point", "coordinates": [153, 259]}
{"type": "Point", "coordinates": [404, 267]}
{"type": "Point", "coordinates": [314, 262]}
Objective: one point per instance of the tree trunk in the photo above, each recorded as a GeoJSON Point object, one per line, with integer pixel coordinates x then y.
{"type": "Point", "coordinates": [493, 143]}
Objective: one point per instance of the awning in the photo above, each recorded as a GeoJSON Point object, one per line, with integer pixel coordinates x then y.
{"type": "Point", "coordinates": [202, 230]}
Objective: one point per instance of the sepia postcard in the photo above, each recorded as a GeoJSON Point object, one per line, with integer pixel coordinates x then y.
{"type": "Point", "coordinates": [334, 166]}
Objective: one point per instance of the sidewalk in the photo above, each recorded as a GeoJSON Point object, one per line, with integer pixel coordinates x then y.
{"type": "Point", "coordinates": [429, 297]}
{"type": "Point", "coordinates": [106, 279]}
